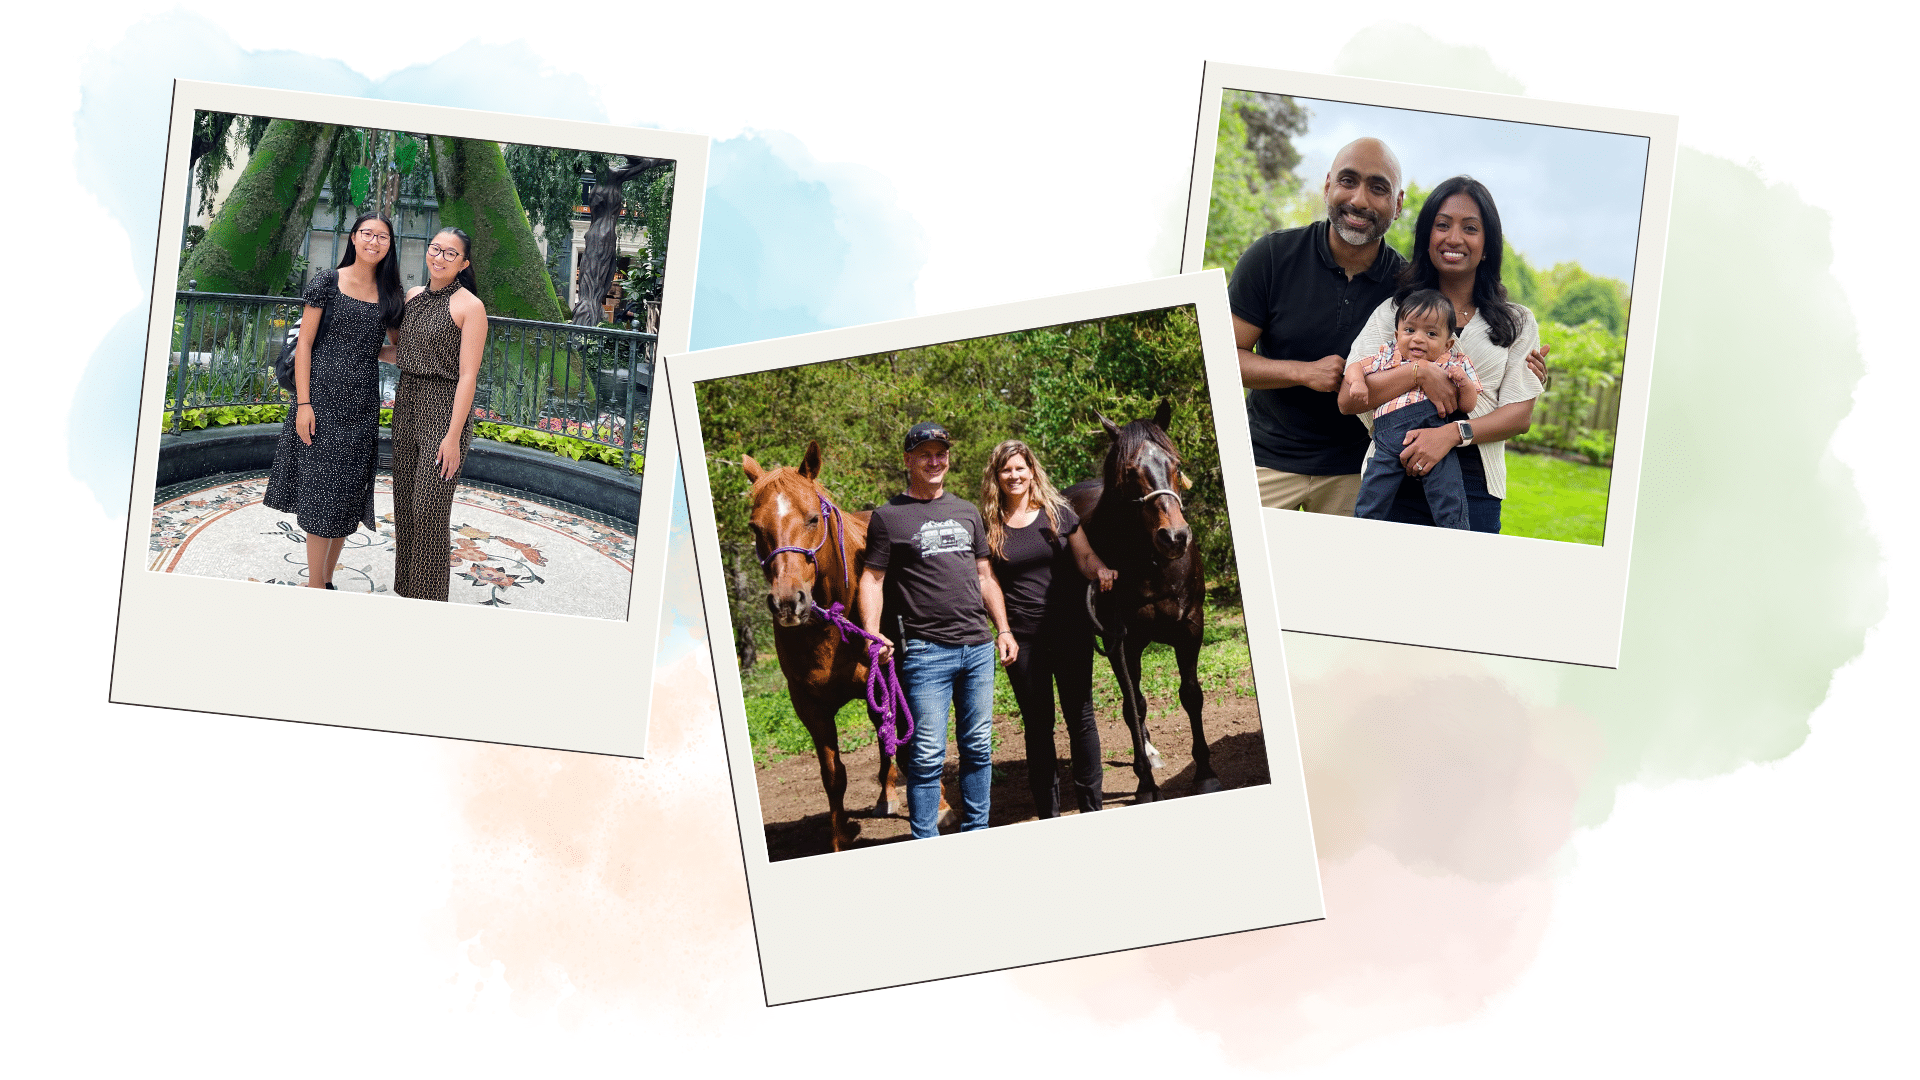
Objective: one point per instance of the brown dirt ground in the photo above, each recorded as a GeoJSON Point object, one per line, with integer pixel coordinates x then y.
{"type": "Point", "coordinates": [795, 807]}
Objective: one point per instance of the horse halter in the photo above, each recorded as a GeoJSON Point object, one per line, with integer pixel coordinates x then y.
{"type": "Point", "coordinates": [1157, 492]}
{"type": "Point", "coordinates": [829, 516]}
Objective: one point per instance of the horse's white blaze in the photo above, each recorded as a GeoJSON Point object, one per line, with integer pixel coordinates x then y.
{"type": "Point", "coordinates": [781, 506]}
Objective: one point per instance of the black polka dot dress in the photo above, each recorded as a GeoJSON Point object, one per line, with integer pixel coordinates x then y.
{"type": "Point", "coordinates": [328, 485]}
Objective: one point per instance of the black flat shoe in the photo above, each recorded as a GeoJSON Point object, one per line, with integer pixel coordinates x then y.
{"type": "Point", "coordinates": [330, 586]}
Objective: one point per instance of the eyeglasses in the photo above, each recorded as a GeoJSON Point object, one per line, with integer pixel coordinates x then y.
{"type": "Point", "coordinates": [372, 237]}
{"type": "Point", "coordinates": [435, 251]}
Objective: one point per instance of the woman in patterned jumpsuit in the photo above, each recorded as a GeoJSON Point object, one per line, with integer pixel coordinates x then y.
{"type": "Point", "coordinates": [438, 353]}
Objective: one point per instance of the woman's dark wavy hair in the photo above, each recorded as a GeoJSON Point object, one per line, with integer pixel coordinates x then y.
{"type": "Point", "coordinates": [386, 276]}
{"type": "Point", "coordinates": [465, 277]}
{"type": "Point", "coordinates": [1489, 295]}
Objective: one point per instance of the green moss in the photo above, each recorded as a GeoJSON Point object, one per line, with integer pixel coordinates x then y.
{"type": "Point", "coordinates": [250, 244]}
{"type": "Point", "coordinates": [477, 195]}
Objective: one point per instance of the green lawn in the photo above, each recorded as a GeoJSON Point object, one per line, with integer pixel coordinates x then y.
{"type": "Point", "coordinates": [1553, 499]}
{"type": "Point", "coordinates": [1225, 665]}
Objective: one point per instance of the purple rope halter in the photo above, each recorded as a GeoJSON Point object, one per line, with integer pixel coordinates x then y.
{"type": "Point", "coordinates": [832, 524]}
{"type": "Point", "coordinates": [886, 700]}
{"type": "Point", "coordinates": [885, 697]}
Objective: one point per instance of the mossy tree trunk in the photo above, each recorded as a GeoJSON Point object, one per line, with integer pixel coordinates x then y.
{"type": "Point", "coordinates": [251, 243]}
{"type": "Point", "coordinates": [476, 195]}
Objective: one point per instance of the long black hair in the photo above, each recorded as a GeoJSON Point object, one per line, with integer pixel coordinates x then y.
{"type": "Point", "coordinates": [1489, 295]}
{"type": "Point", "coordinates": [386, 276]}
{"type": "Point", "coordinates": [465, 277]}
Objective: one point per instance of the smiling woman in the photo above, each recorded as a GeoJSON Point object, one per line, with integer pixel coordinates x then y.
{"type": "Point", "coordinates": [1457, 247]}
{"type": "Point", "coordinates": [324, 467]}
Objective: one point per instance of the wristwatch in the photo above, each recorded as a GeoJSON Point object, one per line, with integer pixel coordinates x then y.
{"type": "Point", "coordinates": [1466, 432]}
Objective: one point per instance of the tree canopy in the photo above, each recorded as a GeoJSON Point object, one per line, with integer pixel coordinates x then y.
{"type": "Point", "coordinates": [549, 182]}
{"type": "Point", "coordinates": [1255, 189]}
{"type": "Point", "coordinates": [253, 242]}
{"type": "Point", "coordinates": [1047, 387]}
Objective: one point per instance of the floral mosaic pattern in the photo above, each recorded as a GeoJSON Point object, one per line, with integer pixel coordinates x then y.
{"type": "Point", "coordinates": [174, 521]}
{"type": "Point", "coordinates": [478, 557]}
{"type": "Point", "coordinates": [605, 539]}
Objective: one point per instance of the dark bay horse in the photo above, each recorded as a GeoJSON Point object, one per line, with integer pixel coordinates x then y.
{"type": "Point", "coordinates": [1134, 522]}
{"type": "Point", "coordinates": [812, 553]}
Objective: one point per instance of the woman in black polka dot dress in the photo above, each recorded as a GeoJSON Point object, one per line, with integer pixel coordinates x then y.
{"type": "Point", "coordinates": [439, 350]}
{"type": "Point", "coordinates": [323, 466]}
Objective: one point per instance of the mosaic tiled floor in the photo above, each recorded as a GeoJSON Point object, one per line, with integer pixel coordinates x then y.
{"type": "Point", "coordinates": [502, 550]}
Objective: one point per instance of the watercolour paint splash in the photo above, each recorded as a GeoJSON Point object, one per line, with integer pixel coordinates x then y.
{"type": "Point", "coordinates": [1444, 786]}
{"type": "Point", "coordinates": [588, 883]}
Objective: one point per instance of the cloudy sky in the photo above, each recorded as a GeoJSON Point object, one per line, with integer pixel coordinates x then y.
{"type": "Point", "coordinates": [1564, 194]}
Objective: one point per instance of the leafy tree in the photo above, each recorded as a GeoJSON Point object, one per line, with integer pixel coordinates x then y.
{"type": "Point", "coordinates": [1271, 122]}
{"type": "Point", "coordinates": [251, 243]}
{"type": "Point", "coordinates": [1589, 299]}
{"type": "Point", "coordinates": [1046, 386]}
{"type": "Point", "coordinates": [550, 183]}
{"type": "Point", "coordinates": [215, 145]}
{"type": "Point", "coordinates": [1579, 411]}
{"type": "Point", "coordinates": [1570, 278]}
{"type": "Point", "coordinates": [1400, 234]}
{"type": "Point", "coordinates": [477, 195]}
{"type": "Point", "coordinates": [370, 167]}
{"type": "Point", "coordinates": [1255, 189]}
{"type": "Point", "coordinates": [1520, 278]}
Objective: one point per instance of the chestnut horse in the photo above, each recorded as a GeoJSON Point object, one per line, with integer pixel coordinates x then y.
{"type": "Point", "coordinates": [812, 552]}
{"type": "Point", "coordinates": [1134, 521]}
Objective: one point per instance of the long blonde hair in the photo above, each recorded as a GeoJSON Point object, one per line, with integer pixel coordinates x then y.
{"type": "Point", "coordinates": [992, 500]}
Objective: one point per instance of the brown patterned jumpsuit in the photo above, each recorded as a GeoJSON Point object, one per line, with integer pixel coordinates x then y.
{"type": "Point", "coordinates": [428, 356]}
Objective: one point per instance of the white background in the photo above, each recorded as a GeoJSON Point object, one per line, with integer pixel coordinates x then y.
{"type": "Point", "coordinates": [156, 919]}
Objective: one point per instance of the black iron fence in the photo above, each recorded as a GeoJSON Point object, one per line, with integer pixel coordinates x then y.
{"type": "Point", "coordinates": [575, 381]}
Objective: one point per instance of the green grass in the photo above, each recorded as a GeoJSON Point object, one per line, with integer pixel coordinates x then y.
{"type": "Point", "coordinates": [1550, 498]}
{"type": "Point", "coordinates": [1226, 665]}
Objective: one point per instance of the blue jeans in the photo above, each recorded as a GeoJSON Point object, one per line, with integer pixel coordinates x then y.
{"type": "Point", "coordinates": [1483, 510]}
{"type": "Point", "coordinates": [934, 677]}
{"type": "Point", "coordinates": [1444, 487]}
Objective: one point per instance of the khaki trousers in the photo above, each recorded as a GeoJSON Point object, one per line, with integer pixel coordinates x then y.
{"type": "Point", "coordinates": [1314, 494]}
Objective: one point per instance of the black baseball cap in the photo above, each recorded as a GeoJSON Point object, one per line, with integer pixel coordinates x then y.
{"type": "Point", "coordinates": [926, 431]}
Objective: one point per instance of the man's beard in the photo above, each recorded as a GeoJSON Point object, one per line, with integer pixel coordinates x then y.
{"type": "Point", "coordinates": [1357, 237]}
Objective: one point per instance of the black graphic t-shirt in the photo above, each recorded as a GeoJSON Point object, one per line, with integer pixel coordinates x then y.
{"type": "Point", "coordinates": [1036, 568]}
{"type": "Point", "coordinates": [928, 548]}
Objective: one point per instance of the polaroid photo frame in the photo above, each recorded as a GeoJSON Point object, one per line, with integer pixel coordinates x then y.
{"type": "Point", "coordinates": [328, 657]}
{"type": "Point", "coordinates": [1218, 863]}
{"type": "Point", "coordinates": [1498, 140]}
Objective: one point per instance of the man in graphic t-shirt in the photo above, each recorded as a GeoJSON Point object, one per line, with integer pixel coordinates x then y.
{"type": "Point", "coordinates": [927, 586]}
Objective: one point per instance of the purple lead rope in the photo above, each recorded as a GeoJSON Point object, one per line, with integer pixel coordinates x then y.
{"type": "Point", "coordinates": [885, 698]}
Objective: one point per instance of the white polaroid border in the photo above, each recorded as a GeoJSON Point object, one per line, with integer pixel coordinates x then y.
{"type": "Point", "coordinates": [240, 648]}
{"type": "Point", "coordinates": [1227, 862]}
{"type": "Point", "coordinates": [1588, 584]}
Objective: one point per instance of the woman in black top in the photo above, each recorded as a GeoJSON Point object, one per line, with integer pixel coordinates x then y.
{"type": "Point", "coordinates": [1042, 561]}
{"type": "Point", "coordinates": [323, 465]}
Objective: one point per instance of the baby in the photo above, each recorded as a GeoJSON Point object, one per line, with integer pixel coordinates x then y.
{"type": "Point", "coordinates": [1423, 330]}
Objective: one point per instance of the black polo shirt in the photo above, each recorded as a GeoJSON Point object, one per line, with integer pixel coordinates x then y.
{"type": "Point", "coordinates": [1288, 285]}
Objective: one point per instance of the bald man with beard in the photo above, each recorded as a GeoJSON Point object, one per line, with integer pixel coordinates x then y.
{"type": "Point", "coordinates": [1299, 297]}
